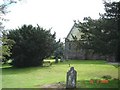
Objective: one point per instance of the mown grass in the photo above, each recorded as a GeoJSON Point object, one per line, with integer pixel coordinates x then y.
{"type": "Point", "coordinates": [35, 77]}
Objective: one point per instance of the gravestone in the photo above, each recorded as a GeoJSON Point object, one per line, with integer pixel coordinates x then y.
{"type": "Point", "coordinates": [61, 59]}
{"type": "Point", "coordinates": [56, 56]}
{"type": "Point", "coordinates": [71, 78]}
{"type": "Point", "coordinates": [56, 59]}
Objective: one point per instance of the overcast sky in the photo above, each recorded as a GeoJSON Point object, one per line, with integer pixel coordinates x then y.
{"type": "Point", "coordinates": [58, 14]}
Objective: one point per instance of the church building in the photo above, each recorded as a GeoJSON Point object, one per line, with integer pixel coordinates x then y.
{"type": "Point", "coordinates": [71, 49]}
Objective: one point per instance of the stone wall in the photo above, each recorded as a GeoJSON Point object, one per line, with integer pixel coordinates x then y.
{"type": "Point", "coordinates": [72, 52]}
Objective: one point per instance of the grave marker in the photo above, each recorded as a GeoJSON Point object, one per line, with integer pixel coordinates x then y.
{"type": "Point", "coordinates": [71, 78]}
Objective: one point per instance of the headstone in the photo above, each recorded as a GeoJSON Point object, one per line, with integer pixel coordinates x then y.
{"type": "Point", "coordinates": [71, 78]}
{"type": "Point", "coordinates": [56, 59]}
{"type": "Point", "coordinates": [61, 59]}
{"type": "Point", "coordinates": [56, 56]}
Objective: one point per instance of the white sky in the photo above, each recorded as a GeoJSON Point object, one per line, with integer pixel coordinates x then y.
{"type": "Point", "coordinates": [58, 14]}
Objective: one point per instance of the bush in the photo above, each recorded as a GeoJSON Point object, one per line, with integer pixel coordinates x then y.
{"type": "Point", "coordinates": [107, 77]}
{"type": "Point", "coordinates": [33, 44]}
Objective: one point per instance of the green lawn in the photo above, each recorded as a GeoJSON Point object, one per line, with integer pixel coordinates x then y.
{"type": "Point", "coordinates": [35, 77]}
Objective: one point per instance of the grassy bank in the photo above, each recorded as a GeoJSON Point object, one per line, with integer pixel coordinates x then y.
{"type": "Point", "coordinates": [36, 77]}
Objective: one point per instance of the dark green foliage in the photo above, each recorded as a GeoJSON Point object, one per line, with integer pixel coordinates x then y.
{"type": "Point", "coordinates": [33, 44]}
{"type": "Point", "coordinates": [102, 35]}
{"type": "Point", "coordinates": [97, 36]}
{"type": "Point", "coordinates": [107, 77]}
{"type": "Point", "coordinates": [112, 15]}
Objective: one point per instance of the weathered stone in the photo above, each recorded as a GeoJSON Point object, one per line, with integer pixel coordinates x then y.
{"type": "Point", "coordinates": [56, 59]}
{"type": "Point", "coordinates": [62, 59]}
{"type": "Point", "coordinates": [71, 78]}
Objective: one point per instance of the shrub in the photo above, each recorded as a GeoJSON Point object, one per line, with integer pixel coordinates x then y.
{"type": "Point", "coordinates": [107, 77]}
{"type": "Point", "coordinates": [33, 44]}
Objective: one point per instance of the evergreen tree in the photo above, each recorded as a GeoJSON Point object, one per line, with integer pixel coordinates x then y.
{"type": "Point", "coordinates": [33, 44]}
{"type": "Point", "coordinates": [102, 35]}
{"type": "Point", "coordinates": [112, 17]}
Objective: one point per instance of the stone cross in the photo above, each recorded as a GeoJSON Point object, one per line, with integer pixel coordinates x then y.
{"type": "Point", "coordinates": [71, 78]}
